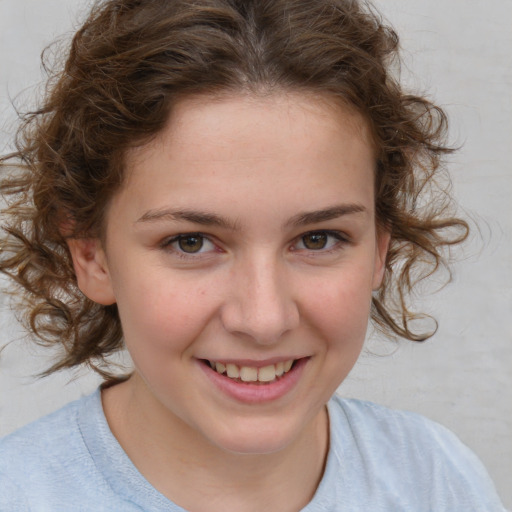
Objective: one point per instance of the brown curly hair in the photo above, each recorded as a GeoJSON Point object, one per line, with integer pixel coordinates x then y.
{"type": "Point", "coordinates": [130, 62]}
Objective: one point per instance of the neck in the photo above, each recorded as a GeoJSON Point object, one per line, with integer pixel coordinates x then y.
{"type": "Point", "coordinates": [178, 462]}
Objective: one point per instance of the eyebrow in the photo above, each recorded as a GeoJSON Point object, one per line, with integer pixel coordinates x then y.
{"type": "Point", "coordinates": [333, 212]}
{"type": "Point", "coordinates": [197, 217]}
{"type": "Point", "coordinates": [212, 219]}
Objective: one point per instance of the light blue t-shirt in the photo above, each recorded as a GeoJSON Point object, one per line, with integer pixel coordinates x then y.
{"type": "Point", "coordinates": [378, 460]}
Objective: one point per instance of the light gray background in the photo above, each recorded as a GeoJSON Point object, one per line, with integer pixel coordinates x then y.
{"type": "Point", "coordinates": [457, 50]}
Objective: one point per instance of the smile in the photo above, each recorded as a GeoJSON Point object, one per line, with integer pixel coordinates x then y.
{"type": "Point", "coordinates": [265, 374]}
{"type": "Point", "coordinates": [254, 382]}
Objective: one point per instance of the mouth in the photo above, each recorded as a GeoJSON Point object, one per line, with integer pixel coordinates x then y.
{"type": "Point", "coordinates": [251, 374]}
{"type": "Point", "coordinates": [255, 382]}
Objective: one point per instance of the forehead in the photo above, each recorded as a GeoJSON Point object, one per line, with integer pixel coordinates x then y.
{"type": "Point", "coordinates": [271, 111]}
{"type": "Point", "coordinates": [211, 120]}
{"type": "Point", "coordinates": [236, 145]}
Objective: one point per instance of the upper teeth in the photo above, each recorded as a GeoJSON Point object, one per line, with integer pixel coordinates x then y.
{"type": "Point", "coordinates": [253, 374]}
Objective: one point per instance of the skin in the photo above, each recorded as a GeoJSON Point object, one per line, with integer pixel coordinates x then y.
{"type": "Point", "coordinates": [246, 172]}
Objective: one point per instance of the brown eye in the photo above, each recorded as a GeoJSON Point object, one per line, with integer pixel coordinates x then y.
{"type": "Point", "coordinates": [315, 241]}
{"type": "Point", "coordinates": [191, 243]}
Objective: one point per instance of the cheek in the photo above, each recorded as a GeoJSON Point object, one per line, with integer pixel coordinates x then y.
{"type": "Point", "coordinates": [340, 304]}
{"type": "Point", "coordinates": [162, 316]}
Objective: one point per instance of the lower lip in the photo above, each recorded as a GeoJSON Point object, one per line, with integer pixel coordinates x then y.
{"type": "Point", "coordinates": [252, 393]}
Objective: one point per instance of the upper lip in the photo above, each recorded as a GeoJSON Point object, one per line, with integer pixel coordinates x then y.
{"type": "Point", "coordinates": [253, 363]}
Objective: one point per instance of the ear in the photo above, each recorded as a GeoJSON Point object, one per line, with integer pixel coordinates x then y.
{"type": "Point", "coordinates": [91, 269]}
{"type": "Point", "coordinates": [381, 252]}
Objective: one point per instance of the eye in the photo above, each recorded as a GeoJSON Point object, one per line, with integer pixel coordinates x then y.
{"type": "Point", "coordinates": [315, 241]}
{"type": "Point", "coordinates": [320, 240]}
{"type": "Point", "coordinates": [189, 243]}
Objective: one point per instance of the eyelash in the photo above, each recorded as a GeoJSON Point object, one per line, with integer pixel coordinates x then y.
{"type": "Point", "coordinates": [167, 244]}
{"type": "Point", "coordinates": [341, 239]}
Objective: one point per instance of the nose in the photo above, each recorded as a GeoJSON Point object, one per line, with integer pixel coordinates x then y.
{"type": "Point", "coordinates": [261, 304]}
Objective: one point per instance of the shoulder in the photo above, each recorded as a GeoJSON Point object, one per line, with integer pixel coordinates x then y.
{"type": "Point", "coordinates": [51, 435]}
{"type": "Point", "coordinates": [403, 436]}
{"type": "Point", "coordinates": [44, 463]}
{"type": "Point", "coordinates": [403, 454]}
{"type": "Point", "coordinates": [405, 433]}
{"type": "Point", "coordinates": [389, 425]}
{"type": "Point", "coordinates": [70, 460]}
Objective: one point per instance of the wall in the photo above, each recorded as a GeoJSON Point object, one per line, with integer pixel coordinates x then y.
{"type": "Point", "coordinates": [459, 51]}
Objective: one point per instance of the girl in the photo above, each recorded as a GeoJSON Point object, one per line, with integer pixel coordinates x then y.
{"type": "Point", "coordinates": [229, 189]}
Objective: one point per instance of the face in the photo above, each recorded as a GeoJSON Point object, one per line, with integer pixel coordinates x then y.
{"type": "Point", "coordinates": [242, 252]}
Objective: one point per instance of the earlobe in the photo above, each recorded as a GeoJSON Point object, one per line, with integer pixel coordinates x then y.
{"type": "Point", "coordinates": [92, 275]}
{"type": "Point", "coordinates": [381, 252]}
